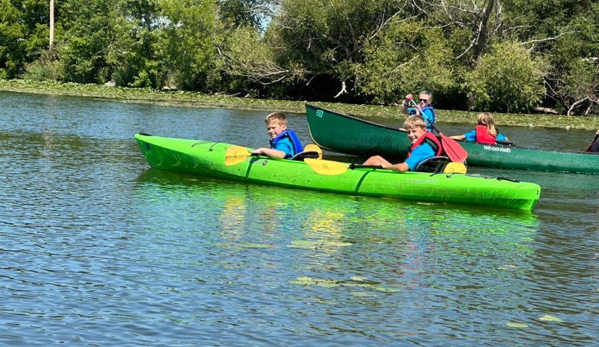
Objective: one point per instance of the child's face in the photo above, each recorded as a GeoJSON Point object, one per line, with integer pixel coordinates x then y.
{"type": "Point", "coordinates": [274, 128]}
{"type": "Point", "coordinates": [424, 100]}
{"type": "Point", "coordinates": [415, 133]}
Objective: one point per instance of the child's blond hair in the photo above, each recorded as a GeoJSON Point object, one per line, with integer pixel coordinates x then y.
{"type": "Point", "coordinates": [486, 119]}
{"type": "Point", "coordinates": [278, 116]}
{"type": "Point", "coordinates": [415, 121]}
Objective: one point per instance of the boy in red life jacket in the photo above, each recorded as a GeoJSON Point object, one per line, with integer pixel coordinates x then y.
{"type": "Point", "coordinates": [485, 132]}
{"type": "Point", "coordinates": [424, 146]}
{"type": "Point", "coordinates": [284, 143]}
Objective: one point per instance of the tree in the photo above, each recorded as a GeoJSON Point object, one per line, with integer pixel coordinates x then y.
{"type": "Point", "coordinates": [187, 43]}
{"type": "Point", "coordinates": [90, 30]}
{"type": "Point", "coordinates": [507, 79]}
{"type": "Point", "coordinates": [24, 34]}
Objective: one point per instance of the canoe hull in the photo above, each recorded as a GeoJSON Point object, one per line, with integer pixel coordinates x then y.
{"type": "Point", "coordinates": [208, 159]}
{"type": "Point", "coordinates": [354, 136]}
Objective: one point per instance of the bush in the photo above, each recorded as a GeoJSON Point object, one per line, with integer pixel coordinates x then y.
{"type": "Point", "coordinates": [506, 79]}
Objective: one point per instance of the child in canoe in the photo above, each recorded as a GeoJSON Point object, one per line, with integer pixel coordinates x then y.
{"type": "Point", "coordinates": [424, 146]}
{"type": "Point", "coordinates": [423, 108]}
{"type": "Point", "coordinates": [284, 143]}
{"type": "Point", "coordinates": [485, 132]}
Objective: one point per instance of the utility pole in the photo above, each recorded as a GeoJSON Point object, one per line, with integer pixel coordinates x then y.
{"type": "Point", "coordinates": [51, 23]}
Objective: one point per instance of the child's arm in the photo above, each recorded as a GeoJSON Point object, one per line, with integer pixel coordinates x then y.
{"type": "Point", "coordinates": [273, 153]}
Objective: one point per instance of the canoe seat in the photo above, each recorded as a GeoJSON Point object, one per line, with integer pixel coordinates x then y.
{"type": "Point", "coordinates": [433, 164]}
{"type": "Point", "coordinates": [305, 154]}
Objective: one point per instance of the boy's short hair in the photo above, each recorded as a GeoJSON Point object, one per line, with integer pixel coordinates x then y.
{"type": "Point", "coordinates": [278, 116]}
{"type": "Point", "coordinates": [426, 92]}
{"type": "Point", "coordinates": [414, 121]}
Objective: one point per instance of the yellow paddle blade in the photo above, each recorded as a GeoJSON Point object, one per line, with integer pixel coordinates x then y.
{"type": "Point", "coordinates": [236, 155]}
{"type": "Point", "coordinates": [326, 167]}
{"type": "Point", "coordinates": [313, 148]}
{"type": "Point", "coordinates": [455, 167]}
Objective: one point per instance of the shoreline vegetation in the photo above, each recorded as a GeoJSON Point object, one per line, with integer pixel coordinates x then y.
{"type": "Point", "coordinates": [198, 100]}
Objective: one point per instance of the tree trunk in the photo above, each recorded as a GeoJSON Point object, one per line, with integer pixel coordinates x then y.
{"type": "Point", "coordinates": [481, 42]}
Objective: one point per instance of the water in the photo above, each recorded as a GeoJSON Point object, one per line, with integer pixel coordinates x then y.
{"type": "Point", "coordinates": [98, 249]}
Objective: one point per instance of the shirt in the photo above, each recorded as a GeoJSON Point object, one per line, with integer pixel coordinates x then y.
{"type": "Point", "coordinates": [285, 145]}
{"type": "Point", "coordinates": [419, 154]}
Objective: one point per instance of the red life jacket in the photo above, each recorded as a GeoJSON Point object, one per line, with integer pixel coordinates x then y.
{"type": "Point", "coordinates": [483, 136]}
{"type": "Point", "coordinates": [432, 140]}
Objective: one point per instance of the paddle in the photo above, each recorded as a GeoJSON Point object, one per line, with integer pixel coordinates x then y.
{"type": "Point", "coordinates": [313, 148]}
{"type": "Point", "coordinates": [329, 167]}
{"type": "Point", "coordinates": [454, 151]}
{"type": "Point", "coordinates": [236, 154]}
{"type": "Point", "coordinates": [591, 145]}
{"type": "Point", "coordinates": [455, 167]}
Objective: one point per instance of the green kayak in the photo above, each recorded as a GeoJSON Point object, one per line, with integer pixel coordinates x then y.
{"type": "Point", "coordinates": [227, 161]}
{"type": "Point", "coordinates": [354, 136]}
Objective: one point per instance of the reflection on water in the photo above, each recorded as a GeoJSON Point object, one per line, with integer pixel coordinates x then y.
{"type": "Point", "coordinates": [340, 238]}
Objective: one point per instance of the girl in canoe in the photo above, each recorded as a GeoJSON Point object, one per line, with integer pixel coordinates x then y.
{"type": "Point", "coordinates": [424, 146]}
{"type": "Point", "coordinates": [284, 143]}
{"type": "Point", "coordinates": [423, 108]}
{"type": "Point", "coordinates": [485, 132]}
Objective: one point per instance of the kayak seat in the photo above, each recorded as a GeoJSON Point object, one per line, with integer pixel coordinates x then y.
{"type": "Point", "coordinates": [433, 164]}
{"type": "Point", "coordinates": [305, 154]}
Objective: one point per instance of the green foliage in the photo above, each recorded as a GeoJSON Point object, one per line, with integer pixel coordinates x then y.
{"type": "Point", "coordinates": [505, 55]}
{"type": "Point", "coordinates": [243, 13]}
{"type": "Point", "coordinates": [46, 68]}
{"type": "Point", "coordinates": [23, 34]}
{"type": "Point", "coordinates": [187, 43]}
{"type": "Point", "coordinates": [90, 30]}
{"type": "Point", "coordinates": [507, 79]}
{"type": "Point", "coordinates": [132, 53]}
{"type": "Point", "coordinates": [405, 58]}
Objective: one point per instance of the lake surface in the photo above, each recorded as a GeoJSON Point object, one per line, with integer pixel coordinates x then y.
{"type": "Point", "coordinates": [97, 249]}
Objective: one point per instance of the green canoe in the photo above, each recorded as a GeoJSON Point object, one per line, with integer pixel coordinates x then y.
{"type": "Point", "coordinates": [221, 160]}
{"type": "Point", "coordinates": [354, 136]}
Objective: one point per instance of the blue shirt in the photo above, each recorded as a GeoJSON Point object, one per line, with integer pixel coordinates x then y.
{"type": "Point", "coordinates": [427, 114]}
{"type": "Point", "coordinates": [471, 136]}
{"type": "Point", "coordinates": [285, 145]}
{"type": "Point", "coordinates": [419, 154]}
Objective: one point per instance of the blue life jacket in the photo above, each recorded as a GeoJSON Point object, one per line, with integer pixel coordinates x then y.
{"type": "Point", "coordinates": [429, 122]}
{"type": "Point", "coordinates": [295, 141]}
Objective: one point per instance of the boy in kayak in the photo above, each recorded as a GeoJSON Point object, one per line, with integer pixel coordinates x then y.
{"type": "Point", "coordinates": [284, 143]}
{"type": "Point", "coordinates": [485, 132]}
{"type": "Point", "coordinates": [424, 146]}
{"type": "Point", "coordinates": [423, 108]}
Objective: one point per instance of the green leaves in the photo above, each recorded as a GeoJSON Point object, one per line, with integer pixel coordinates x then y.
{"type": "Point", "coordinates": [507, 79]}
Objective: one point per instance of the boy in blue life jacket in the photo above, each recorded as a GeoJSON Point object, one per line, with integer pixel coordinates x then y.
{"type": "Point", "coordinates": [424, 146]}
{"type": "Point", "coordinates": [423, 109]}
{"type": "Point", "coordinates": [284, 143]}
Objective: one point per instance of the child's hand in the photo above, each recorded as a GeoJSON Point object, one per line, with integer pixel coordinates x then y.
{"type": "Point", "coordinates": [410, 97]}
